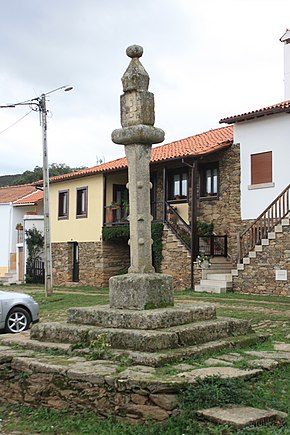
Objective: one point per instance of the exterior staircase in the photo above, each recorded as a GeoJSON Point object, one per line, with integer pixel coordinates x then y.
{"type": "Point", "coordinates": [254, 239]}
{"type": "Point", "coordinates": [259, 248]}
{"type": "Point", "coordinates": [216, 279]}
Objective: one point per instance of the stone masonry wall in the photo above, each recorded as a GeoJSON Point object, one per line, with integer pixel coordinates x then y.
{"type": "Point", "coordinates": [176, 262]}
{"type": "Point", "coordinates": [97, 262]}
{"type": "Point", "coordinates": [26, 381]}
{"type": "Point", "coordinates": [61, 263]}
{"type": "Point", "coordinates": [259, 276]}
{"type": "Point", "coordinates": [116, 259]}
{"type": "Point", "coordinates": [224, 212]}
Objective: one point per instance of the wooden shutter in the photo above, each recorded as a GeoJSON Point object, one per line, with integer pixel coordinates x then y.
{"type": "Point", "coordinates": [261, 168]}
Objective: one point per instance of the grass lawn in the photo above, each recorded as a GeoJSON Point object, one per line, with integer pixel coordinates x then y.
{"type": "Point", "coordinates": [270, 390]}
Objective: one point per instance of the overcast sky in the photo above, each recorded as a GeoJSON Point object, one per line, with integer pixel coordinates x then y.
{"type": "Point", "coordinates": [207, 59]}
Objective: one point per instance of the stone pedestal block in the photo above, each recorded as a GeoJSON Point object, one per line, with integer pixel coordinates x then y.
{"type": "Point", "coordinates": [141, 291]}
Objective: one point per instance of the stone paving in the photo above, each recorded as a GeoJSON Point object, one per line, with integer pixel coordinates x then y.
{"type": "Point", "coordinates": [242, 416]}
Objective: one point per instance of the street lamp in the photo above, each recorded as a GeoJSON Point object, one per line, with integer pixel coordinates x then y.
{"type": "Point", "coordinates": [40, 103]}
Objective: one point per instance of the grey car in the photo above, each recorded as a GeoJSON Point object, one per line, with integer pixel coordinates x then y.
{"type": "Point", "coordinates": [17, 311]}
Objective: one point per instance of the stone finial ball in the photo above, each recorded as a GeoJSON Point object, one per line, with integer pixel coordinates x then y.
{"type": "Point", "coordinates": [134, 51]}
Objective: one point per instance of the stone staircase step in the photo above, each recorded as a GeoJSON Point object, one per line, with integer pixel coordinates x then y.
{"type": "Point", "coordinates": [220, 276]}
{"type": "Point", "coordinates": [216, 282]}
{"type": "Point", "coordinates": [137, 319]}
{"type": "Point", "coordinates": [209, 289]}
{"type": "Point", "coordinates": [156, 359]}
{"type": "Point", "coordinates": [23, 340]}
{"type": "Point", "coordinates": [142, 340]}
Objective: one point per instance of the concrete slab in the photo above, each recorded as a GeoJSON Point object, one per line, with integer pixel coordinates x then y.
{"type": "Point", "coordinates": [241, 416]}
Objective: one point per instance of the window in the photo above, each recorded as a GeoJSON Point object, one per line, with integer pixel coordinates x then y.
{"type": "Point", "coordinates": [82, 202]}
{"type": "Point", "coordinates": [63, 204]}
{"type": "Point", "coordinates": [209, 180]}
{"type": "Point", "coordinates": [178, 184]}
{"type": "Point", "coordinates": [261, 168]}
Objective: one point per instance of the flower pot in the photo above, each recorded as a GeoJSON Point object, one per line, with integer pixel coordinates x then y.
{"type": "Point", "coordinates": [205, 264]}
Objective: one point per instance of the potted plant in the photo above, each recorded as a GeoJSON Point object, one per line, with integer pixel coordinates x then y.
{"type": "Point", "coordinates": [204, 261]}
{"type": "Point", "coordinates": [19, 227]}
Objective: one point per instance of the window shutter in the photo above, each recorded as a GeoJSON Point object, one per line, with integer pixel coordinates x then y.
{"type": "Point", "coordinates": [261, 168]}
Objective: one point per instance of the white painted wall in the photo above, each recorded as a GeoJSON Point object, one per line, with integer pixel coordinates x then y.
{"type": "Point", "coordinates": [287, 71]}
{"type": "Point", "coordinates": [270, 133]}
{"type": "Point", "coordinates": [5, 217]}
{"type": "Point", "coordinates": [31, 221]}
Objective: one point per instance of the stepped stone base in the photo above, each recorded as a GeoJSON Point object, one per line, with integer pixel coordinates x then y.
{"type": "Point", "coordinates": [148, 337]}
{"type": "Point", "coordinates": [153, 359]}
{"type": "Point", "coordinates": [143, 340]}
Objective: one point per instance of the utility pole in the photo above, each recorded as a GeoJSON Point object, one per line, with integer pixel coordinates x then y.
{"type": "Point", "coordinates": [40, 103]}
{"type": "Point", "coordinates": [45, 172]}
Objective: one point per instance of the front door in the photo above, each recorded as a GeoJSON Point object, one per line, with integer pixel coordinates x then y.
{"type": "Point", "coordinates": [20, 264]}
{"type": "Point", "coordinates": [75, 268]}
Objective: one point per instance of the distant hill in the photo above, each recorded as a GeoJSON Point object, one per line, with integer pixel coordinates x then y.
{"type": "Point", "coordinates": [28, 177]}
{"type": "Point", "coordinates": [8, 180]}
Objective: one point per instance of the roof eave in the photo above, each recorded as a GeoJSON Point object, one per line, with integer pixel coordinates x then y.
{"type": "Point", "coordinates": [248, 117]}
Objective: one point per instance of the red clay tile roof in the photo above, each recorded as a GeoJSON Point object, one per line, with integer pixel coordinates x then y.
{"type": "Point", "coordinates": [32, 198]}
{"type": "Point", "coordinates": [13, 193]}
{"type": "Point", "coordinates": [200, 144]}
{"type": "Point", "coordinates": [284, 106]}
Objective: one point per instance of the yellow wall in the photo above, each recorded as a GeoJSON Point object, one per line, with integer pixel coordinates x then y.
{"type": "Point", "coordinates": [3, 270]}
{"type": "Point", "coordinates": [182, 209]}
{"type": "Point", "coordinates": [81, 229]}
{"type": "Point", "coordinates": [114, 179]}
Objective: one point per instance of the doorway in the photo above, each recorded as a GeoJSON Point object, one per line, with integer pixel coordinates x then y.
{"type": "Point", "coordinates": [75, 262]}
{"type": "Point", "coordinates": [20, 264]}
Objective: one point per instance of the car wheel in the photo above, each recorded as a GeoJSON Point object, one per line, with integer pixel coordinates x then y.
{"type": "Point", "coordinates": [18, 320]}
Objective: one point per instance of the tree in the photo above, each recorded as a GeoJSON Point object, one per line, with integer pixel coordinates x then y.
{"type": "Point", "coordinates": [28, 176]}
{"type": "Point", "coordinates": [35, 242]}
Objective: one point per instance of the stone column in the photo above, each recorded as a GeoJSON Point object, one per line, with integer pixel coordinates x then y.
{"type": "Point", "coordinates": [141, 287]}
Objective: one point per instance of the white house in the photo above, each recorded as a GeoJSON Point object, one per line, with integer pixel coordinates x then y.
{"type": "Point", "coordinates": [263, 135]}
{"type": "Point", "coordinates": [20, 207]}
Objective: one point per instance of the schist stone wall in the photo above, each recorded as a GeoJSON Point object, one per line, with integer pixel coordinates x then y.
{"type": "Point", "coordinates": [224, 212]}
{"type": "Point", "coordinates": [260, 275]}
{"type": "Point", "coordinates": [98, 261]}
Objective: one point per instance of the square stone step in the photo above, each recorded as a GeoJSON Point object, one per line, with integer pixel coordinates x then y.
{"type": "Point", "coordinates": [241, 416]}
{"type": "Point", "coordinates": [216, 282]}
{"type": "Point", "coordinates": [142, 340]}
{"type": "Point", "coordinates": [220, 277]}
{"type": "Point", "coordinates": [141, 319]}
{"type": "Point", "coordinates": [209, 289]}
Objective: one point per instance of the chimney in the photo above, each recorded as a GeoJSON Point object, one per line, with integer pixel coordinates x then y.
{"type": "Point", "coordinates": [286, 39]}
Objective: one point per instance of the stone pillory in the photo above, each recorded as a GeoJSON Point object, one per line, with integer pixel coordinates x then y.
{"type": "Point", "coordinates": [138, 134]}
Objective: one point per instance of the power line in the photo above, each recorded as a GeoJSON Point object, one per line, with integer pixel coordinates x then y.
{"type": "Point", "coordinates": [16, 122]}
